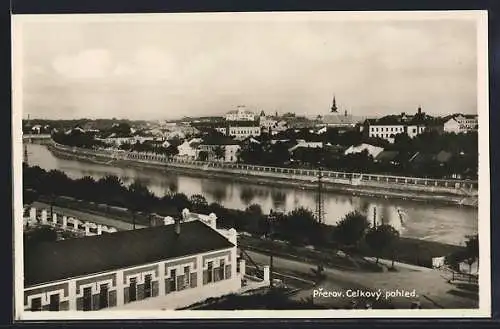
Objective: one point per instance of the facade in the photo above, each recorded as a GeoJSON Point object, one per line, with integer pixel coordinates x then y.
{"type": "Point", "coordinates": [240, 114]}
{"type": "Point", "coordinates": [228, 146]}
{"type": "Point", "coordinates": [169, 265]}
{"type": "Point", "coordinates": [189, 149]}
{"type": "Point", "coordinates": [461, 124]}
{"type": "Point", "coordinates": [389, 126]}
{"type": "Point", "coordinates": [240, 130]}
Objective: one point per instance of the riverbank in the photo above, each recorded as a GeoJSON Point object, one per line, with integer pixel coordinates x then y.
{"type": "Point", "coordinates": [385, 191]}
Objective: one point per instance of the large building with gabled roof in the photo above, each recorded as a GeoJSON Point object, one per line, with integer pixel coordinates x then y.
{"type": "Point", "coordinates": [175, 265]}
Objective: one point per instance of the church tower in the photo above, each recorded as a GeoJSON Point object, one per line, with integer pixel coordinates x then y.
{"type": "Point", "coordinates": [334, 106]}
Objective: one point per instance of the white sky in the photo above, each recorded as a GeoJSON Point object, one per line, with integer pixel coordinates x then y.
{"type": "Point", "coordinates": [168, 68]}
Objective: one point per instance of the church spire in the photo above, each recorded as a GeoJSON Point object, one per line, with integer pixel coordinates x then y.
{"type": "Point", "coordinates": [334, 105]}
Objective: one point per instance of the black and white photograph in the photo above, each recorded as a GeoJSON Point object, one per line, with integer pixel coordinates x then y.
{"type": "Point", "coordinates": [239, 165]}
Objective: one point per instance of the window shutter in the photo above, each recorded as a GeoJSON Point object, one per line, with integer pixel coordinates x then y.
{"type": "Point", "coordinates": [155, 287]}
{"type": "Point", "coordinates": [140, 291]}
{"type": "Point", "coordinates": [112, 298]}
{"type": "Point", "coordinates": [95, 302]}
{"type": "Point", "coordinates": [228, 272]}
{"type": "Point", "coordinates": [180, 282]}
{"type": "Point", "coordinates": [193, 280]}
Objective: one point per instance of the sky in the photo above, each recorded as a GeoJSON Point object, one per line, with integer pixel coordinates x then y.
{"type": "Point", "coordinates": [170, 67]}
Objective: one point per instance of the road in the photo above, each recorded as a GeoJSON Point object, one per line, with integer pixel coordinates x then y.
{"type": "Point", "coordinates": [432, 288]}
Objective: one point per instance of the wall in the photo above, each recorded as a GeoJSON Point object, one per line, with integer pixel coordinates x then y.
{"type": "Point", "coordinates": [71, 291]}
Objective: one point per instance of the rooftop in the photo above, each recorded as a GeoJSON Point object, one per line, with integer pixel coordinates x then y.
{"type": "Point", "coordinates": [52, 261]}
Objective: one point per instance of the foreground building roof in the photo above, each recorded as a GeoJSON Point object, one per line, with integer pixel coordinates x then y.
{"type": "Point", "coordinates": [52, 261]}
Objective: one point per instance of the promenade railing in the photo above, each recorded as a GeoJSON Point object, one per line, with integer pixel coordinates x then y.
{"type": "Point", "coordinates": [466, 186]}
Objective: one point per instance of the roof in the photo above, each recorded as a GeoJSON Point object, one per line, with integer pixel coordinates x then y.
{"type": "Point", "coordinates": [338, 119]}
{"type": "Point", "coordinates": [218, 140]}
{"type": "Point", "coordinates": [387, 156]}
{"type": "Point", "coordinates": [371, 149]}
{"type": "Point", "coordinates": [51, 261]}
{"type": "Point", "coordinates": [240, 124]}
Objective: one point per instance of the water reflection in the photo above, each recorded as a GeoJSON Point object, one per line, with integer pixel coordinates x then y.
{"type": "Point", "coordinates": [426, 221]}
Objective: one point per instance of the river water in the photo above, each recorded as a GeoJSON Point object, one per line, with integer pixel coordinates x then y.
{"type": "Point", "coordinates": [435, 222]}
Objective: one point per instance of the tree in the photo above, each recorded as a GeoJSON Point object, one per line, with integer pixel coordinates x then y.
{"type": "Point", "coordinates": [219, 152]}
{"type": "Point", "coordinates": [382, 239]}
{"type": "Point", "coordinates": [299, 226]}
{"type": "Point", "coordinates": [139, 198]}
{"type": "Point", "coordinates": [351, 229]}
{"type": "Point", "coordinates": [198, 202]}
{"type": "Point", "coordinates": [171, 150]}
{"type": "Point", "coordinates": [180, 201]}
{"type": "Point", "coordinates": [203, 156]}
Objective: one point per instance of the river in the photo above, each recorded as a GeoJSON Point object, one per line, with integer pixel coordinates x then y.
{"type": "Point", "coordinates": [435, 222]}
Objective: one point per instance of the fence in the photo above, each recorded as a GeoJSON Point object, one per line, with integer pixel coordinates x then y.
{"type": "Point", "coordinates": [36, 216]}
{"type": "Point", "coordinates": [466, 187]}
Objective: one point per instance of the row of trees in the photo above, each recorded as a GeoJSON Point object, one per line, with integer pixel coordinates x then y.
{"type": "Point", "coordinates": [299, 226]}
{"type": "Point", "coordinates": [352, 234]}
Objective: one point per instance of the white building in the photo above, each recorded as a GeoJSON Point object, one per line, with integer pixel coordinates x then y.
{"type": "Point", "coordinates": [189, 149]}
{"type": "Point", "coordinates": [240, 114]}
{"type": "Point", "coordinates": [461, 124]}
{"type": "Point", "coordinates": [168, 266]}
{"type": "Point", "coordinates": [240, 130]}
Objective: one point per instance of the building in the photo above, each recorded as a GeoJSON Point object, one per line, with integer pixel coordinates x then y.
{"type": "Point", "coordinates": [189, 149]}
{"type": "Point", "coordinates": [460, 123]}
{"type": "Point", "coordinates": [220, 148]}
{"type": "Point", "coordinates": [390, 126]}
{"type": "Point", "coordinates": [240, 129]}
{"type": "Point", "coordinates": [169, 265]}
{"type": "Point", "coordinates": [240, 114]}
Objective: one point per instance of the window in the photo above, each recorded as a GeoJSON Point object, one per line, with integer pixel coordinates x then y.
{"type": "Point", "coordinates": [414, 130]}
{"type": "Point", "coordinates": [103, 296]}
{"type": "Point", "coordinates": [210, 271]}
{"type": "Point", "coordinates": [173, 280]}
{"type": "Point", "coordinates": [132, 292]}
{"type": "Point", "coordinates": [87, 299]}
{"type": "Point", "coordinates": [221, 269]}
{"type": "Point", "coordinates": [36, 304]}
{"type": "Point", "coordinates": [147, 286]}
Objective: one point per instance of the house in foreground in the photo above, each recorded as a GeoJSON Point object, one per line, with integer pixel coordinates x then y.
{"type": "Point", "coordinates": [173, 266]}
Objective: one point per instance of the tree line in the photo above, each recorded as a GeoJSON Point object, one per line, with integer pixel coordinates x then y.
{"type": "Point", "coordinates": [353, 233]}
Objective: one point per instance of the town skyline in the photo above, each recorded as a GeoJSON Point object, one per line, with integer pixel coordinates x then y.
{"type": "Point", "coordinates": [141, 70]}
